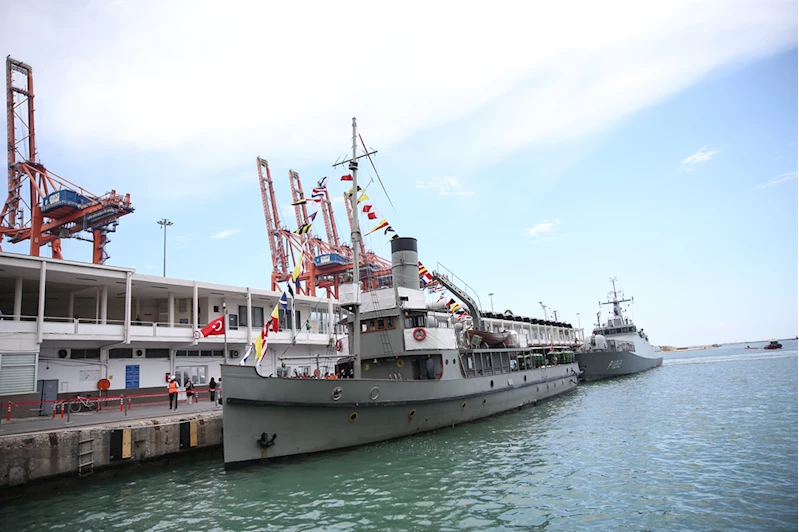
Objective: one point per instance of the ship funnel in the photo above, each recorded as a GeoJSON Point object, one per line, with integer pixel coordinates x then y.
{"type": "Point", "coordinates": [405, 263]}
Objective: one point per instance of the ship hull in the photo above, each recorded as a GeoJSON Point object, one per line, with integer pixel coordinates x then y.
{"type": "Point", "coordinates": [597, 365]}
{"type": "Point", "coordinates": [266, 418]}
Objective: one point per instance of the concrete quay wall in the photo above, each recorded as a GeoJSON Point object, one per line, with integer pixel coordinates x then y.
{"type": "Point", "coordinates": [74, 452]}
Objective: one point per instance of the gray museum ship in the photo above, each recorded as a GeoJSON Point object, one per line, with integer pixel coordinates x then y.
{"type": "Point", "coordinates": [617, 348]}
{"type": "Point", "coordinates": [413, 372]}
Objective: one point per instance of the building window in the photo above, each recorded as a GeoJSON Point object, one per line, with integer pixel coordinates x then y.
{"type": "Point", "coordinates": [118, 353]}
{"type": "Point", "coordinates": [156, 353]}
{"type": "Point", "coordinates": [85, 353]}
{"type": "Point", "coordinates": [183, 305]}
{"type": "Point", "coordinates": [257, 317]}
{"type": "Point", "coordinates": [243, 316]}
{"type": "Point", "coordinates": [197, 374]}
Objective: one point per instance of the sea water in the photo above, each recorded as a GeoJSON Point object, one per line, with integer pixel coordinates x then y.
{"type": "Point", "coordinates": [706, 442]}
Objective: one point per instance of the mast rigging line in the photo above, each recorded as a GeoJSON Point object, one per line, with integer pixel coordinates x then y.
{"type": "Point", "coordinates": [369, 155]}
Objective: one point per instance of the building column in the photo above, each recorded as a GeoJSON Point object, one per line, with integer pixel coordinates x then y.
{"type": "Point", "coordinates": [18, 299]}
{"type": "Point", "coordinates": [104, 305]}
{"type": "Point", "coordinates": [331, 324]}
{"type": "Point", "coordinates": [249, 314]}
{"type": "Point", "coordinates": [97, 305]}
{"type": "Point", "coordinates": [71, 305]}
{"type": "Point", "coordinates": [138, 306]}
{"type": "Point", "coordinates": [194, 310]}
{"type": "Point", "coordinates": [171, 309]}
{"type": "Point", "coordinates": [128, 296]}
{"type": "Point", "coordinates": [40, 315]}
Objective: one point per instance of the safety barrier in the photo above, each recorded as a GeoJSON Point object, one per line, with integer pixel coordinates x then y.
{"type": "Point", "coordinates": [126, 402]}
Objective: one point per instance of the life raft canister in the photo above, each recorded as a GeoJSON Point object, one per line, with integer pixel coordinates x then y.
{"type": "Point", "coordinates": [419, 334]}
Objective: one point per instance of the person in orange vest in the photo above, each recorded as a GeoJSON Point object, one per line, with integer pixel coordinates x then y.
{"type": "Point", "coordinates": [173, 393]}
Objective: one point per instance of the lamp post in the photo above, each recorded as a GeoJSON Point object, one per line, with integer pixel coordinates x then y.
{"type": "Point", "coordinates": [491, 295]}
{"type": "Point", "coordinates": [164, 223]}
{"type": "Point", "coordinates": [578, 321]}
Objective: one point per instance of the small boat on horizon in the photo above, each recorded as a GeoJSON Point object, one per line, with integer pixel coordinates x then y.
{"type": "Point", "coordinates": [774, 344]}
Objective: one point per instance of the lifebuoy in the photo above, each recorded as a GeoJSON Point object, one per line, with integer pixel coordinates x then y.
{"type": "Point", "coordinates": [103, 384]}
{"type": "Point", "coordinates": [419, 334]}
{"type": "Point", "coordinates": [338, 345]}
{"type": "Point", "coordinates": [400, 363]}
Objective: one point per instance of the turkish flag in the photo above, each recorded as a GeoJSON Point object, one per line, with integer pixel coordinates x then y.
{"type": "Point", "coordinates": [215, 327]}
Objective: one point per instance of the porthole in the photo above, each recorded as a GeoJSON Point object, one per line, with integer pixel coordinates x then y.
{"type": "Point", "coordinates": [374, 393]}
{"type": "Point", "coordinates": [336, 393]}
{"type": "Point", "coordinates": [525, 378]}
{"type": "Point", "coordinates": [353, 416]}
{"type": "Point", "coordinates": [492, 384]}
{"type": "Point", "coordinates": [463, 404]}
{"type": "Point", "coordinates": [484, 400]}
{"type": "Point", "coordinates": [453, 361]}
{"type": "Point", "coordinates": [446, 362]}
{"type": "Point", "coordinates": [412, 413]}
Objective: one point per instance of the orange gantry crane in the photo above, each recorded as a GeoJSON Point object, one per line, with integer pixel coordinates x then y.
{"type": "Point", "coordinates": [326, 264]}
{"type": "Point", "coordinates": [52, 208]}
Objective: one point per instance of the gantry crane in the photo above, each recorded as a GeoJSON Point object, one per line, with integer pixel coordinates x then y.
{"type": "Point", "coordinates": [326, 264]}
{"type": "Point", "coordinates": [55, 207]}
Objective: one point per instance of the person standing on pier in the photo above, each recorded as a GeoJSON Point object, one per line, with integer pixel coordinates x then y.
{"type": "Point", "coordinates": [173, 393]}
{"type": "Point", "coordinates": [212, 390]}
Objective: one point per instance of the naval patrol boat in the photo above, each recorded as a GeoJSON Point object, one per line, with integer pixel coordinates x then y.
{"type": "Point", "coordinates": [617, 348]}
{"type": "Point", "coordinates": [411, 373]}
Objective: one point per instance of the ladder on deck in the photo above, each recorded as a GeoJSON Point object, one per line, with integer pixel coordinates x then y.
{"type": "Point", "coordinates": [385, 340]}
{"type": "Point", "coordinates": [85, 455]}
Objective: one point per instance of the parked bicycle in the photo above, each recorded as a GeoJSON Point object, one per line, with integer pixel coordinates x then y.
{"type": "Point", "coordinates": [79, 402]}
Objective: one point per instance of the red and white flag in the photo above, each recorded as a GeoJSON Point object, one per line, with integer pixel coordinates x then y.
{"type": "Point", "coordinates": [214, 328]}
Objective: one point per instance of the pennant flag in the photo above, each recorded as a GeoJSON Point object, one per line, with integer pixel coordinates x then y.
{"type": "Point", "coordinates": [289, 290]}
{"type": "Point", "coordinates": [363, 197]}
{"type": "Point", "coordinates": [322, 182]}
{"type": "Point", "coordinates": [388, 229]}
{"type": "Point", "coordinates": [367, 207]}
{"type": "Point", "coordinates": [383, 223]}
{"type": "Point", "coordinates": [374, 215]}
{"type": "Point", "coordinates": [440, 298]}
{"type": "Point", "coordinates": [246, 355]}
{"type": "Point", "coordinates": [297, 269]}
{"type": "Point", "coordinates": [392, 238]}
{"type": "Point", "coordinates": [214, 328]}
{"type": "Point", "coordinates": [312, 217]}
{"type": "Point", "coordinates": [453, 306]}
{"type": "Point", "coordinates": [275, 320]}
{"type": "Point", "coordinates": [347, 177]}
{"type": "Point", "coordinates": [422, 270]}
{"type": "Point", "coordinates": [284, 301]}
{"type": "Point", "coordinates": [303, 201]}
{"type": "Point", "coordinates": [260, 344]}
{"type": "Point", "coordinates": [305, 229]}
{"type": "Point", "coordinates": [349, 192]}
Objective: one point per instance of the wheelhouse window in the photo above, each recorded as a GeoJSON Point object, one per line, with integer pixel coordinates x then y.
{"type": "Point", "coordinates": [378, 324]}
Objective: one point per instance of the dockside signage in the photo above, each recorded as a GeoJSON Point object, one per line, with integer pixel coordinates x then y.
{"type": "Point", "coordinates": [132, 376]}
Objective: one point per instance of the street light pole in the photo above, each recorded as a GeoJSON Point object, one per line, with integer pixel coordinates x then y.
{"type": "Point", "coordinates": [164, 223]}
{"type": "Point", "coordinates": [491, 295]}
{"type": "Point", "coordinates": [578, 321]}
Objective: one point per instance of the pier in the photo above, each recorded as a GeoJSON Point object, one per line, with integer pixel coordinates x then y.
{"type": "Point", "coordinates": [40, 449]}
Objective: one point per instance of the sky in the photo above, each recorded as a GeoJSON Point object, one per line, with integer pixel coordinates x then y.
{"type": "Point", "coordinates": [535, 151]}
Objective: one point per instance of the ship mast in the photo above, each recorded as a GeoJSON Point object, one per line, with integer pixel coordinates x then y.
{"type": "Point", "coordinates": [356, 239]}
{"type": "Point", "coordinates": [616, 302]}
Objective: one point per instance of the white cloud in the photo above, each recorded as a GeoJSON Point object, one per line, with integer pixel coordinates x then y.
{"type": "Point", "coordinates": [788, 176]}
{"type": "Point", "coordinates": [778, 157]}
{"type": "Point", "coordinates": [443, 186]}
{"type": "Point", "coordinates": [226, 233]}
{"type": "Point", "coordinates": [547, 226]}
{"type": "Point", "coordinates": [199, 86]}
{"type": "Point", "coordinates": [703, 155]}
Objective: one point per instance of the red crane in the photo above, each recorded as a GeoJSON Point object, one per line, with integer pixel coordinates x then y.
{"type": "Point", "coordinates": [56, 207]}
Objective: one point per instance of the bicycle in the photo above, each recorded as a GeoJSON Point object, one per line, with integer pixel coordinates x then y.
{"type": "Point", "coordinates": [78, 402]}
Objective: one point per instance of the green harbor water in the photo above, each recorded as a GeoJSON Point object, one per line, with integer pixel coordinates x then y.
{"type": "Point", "coordinates": [706, 442]}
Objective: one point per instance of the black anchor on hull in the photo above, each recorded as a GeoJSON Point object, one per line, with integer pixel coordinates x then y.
{"type": "Point", "coordinates": [265, 441]}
